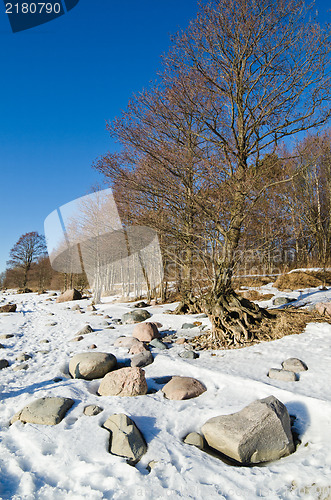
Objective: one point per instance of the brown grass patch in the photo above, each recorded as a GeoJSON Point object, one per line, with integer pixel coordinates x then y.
{"type": "Point", "coordinates": [252, 281]}
{"type": "Point", "coordinates": [255, 295]}
{"type": "Point", "coordinates": [298, 279]}
{"type": "Point", "coordinates": [285, 322]}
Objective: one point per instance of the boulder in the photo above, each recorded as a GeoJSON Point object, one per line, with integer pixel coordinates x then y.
{"type": "Point", "coordinates": [8, 308]}
{"type": "Point", "coordinates": [92, 410]}
{"type": "Point", "coordinates": [136, 316]}
{"type": "Point", "coordinates": [3, 363]}
{"type": "Point", "coordinates": [260, 432]}
{"type": "Point", "coordinates": [142, 359]}
{"type": "Point", "coordinates": [294, 365]}
{"type": "Point", "coordinates": [285, 375]}
{"type": "Point", "coordinates": [45, 411]}
{"type": "Point", "coordinates": [128, 381]}
{"type": "Point", "coordinates": [91, 365]}
{"type": "Point", "coordinates": [281, 301]}
{"type": "Point", "coordinates": [69, 295]}
{"type": "Point", "coordinates": [179, 388]}
{"type": "Point", "coordinates": [126, 439]}
{"type": "Point", "coordinates": [145, 332]}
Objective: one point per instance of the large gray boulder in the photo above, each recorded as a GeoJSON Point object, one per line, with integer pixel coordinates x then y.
{"type": "Point", "coordinates": [45, 411]}
{"type": "Point", "coordinates": [69, 295]}
{"type": "Point", "coordinates": [129, 381]}
{"type": "Point", "coordinates": [126, 439]}
{"type": "Point", "coordinates": [136, 316]}
{"type": "Point", "coordinates": [91, 365]}
{"type": "Point", "coordinates": [260, 432]}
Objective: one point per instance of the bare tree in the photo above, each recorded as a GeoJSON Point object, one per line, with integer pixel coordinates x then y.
{"type": "Point", "coordinates": [26, 250]}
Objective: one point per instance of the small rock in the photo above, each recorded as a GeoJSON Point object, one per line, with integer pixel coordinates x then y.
{"type": "Point", "coordinates": [187, 326]}
{"type": "Point", "coordinates": [69, 295]}
{"type": "Point", "coordinates": [51, 324]}
{"type": "Point", "coordinates": [142, 359]}
{"type": "Point", "coordinates": [195, 439]}
{"type": "Point", "coordinates": [92, 346]}
{"type": "Point", "coordinates": [22, 366]}
{"type": "Point", "coordinates": [126, 440]}
{"type": "Point", "coordinates": [136, 316]}
{"type": "Point", "coordinates": [92, 410]}
{"type": "Point", "coordinates": [158, 344]}
{"type": "Point", "coordinates": [141, 305]}
{"type": "Point", "coordinates": [77, 339]}
{"type": "Point", "coordinates": [8, 308]}
{"type": "Point", "coordinates": [76, 307]}
{"type": "Point", "coordinates": [181, 340]}
{"type": "Point", "coordinates": [45, 411]}
{"type": "Point", "coordinates": [180, 388]}
{"type": "Point", "coordinates": [167, 311]}
{"type": "Point", "coordinates": [294, 365]}
{"type": "Point", "coordinates": [91, 365]}
{"type": "Point", "coordinates": [44, 341]}
{"type": "Point", "coordinates": [85, 330]}
{"type": "Point", "coordinates": [280, 374]}
{"type": "Point", "coordinates": [91, 308]}
{"type": "Point", "coordinates": [6, 336]}
{"type": "Point", "coordinates": [188, 354]}
{"type": "Point", "coordinates": [117, 321]}
{"type": "Point", "coordinates": [124, 382]}
{"type": "Point", "coordinates": [23, 357]}
{"type": "Point", "coordinates": [3, 364]}
{"type": "Point", "coordinates": [151, 465]}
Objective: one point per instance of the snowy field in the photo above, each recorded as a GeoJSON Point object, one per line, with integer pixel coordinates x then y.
{"type": "Point", "coordinates": [71, 460]}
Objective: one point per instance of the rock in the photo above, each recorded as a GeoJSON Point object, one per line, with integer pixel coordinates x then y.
{"type": "Point", "coordinates": [294, 365]}
{"type": "Point", "coordinates": [167, 311]}
{"type": "Point", "coordinates": [23, 357]}
{"type": "Point", "coordinates": [85, 330]}
{"type": "Point", "coordinates": [92, 346]}
{"type": "Point", "coordinates": [183, 388]}
{"type": "Point", "coordinates": [136, 316]}
{"type": "Point", "coordinates": [142, 359]}
{"type": "Point", "coordinates": [187, 326]}
{"type": "Point", "coordinates": [76, 307]}
{"type": "Point", "coordinates": [51, 324]}
{"type": "Point", "coordinates": [8, 308]}
{"type": "Point", "coordinates": [285, 375]}
{"type": "Point", "coordinates": [69, 295]}
{"type": "Point", "coordinates": [117, 321]}
{"type": "Point", "coordinates": [188, 354]}
{"type": "Point", "coordinates": [91, 308]}
{"type": "Point", "coordinates": [91, 365]}
{"type": "Point", "coordinates": [323, 308]}
{"type": "Point", "coordinates": [45, 411]}
{"type": "Point", "coordinates": [181, 340]}
{"type": "Point", "coordinates": [44, 341]}
{"type": "Point", "coordinates": [151, 465]}
{"type": "Point", "coordinates": [6, 336]}
{"type": "Point", "coordinates": [77, 339]}
{"type": "Point", "coordinates": [145, 332]}
{"type": "Point", "coordinates": [141, 305]}
{"type": "Point", "coordinates": [280, 301]}
{"type": "Point", "coordinates": [138, 348]}
{"type": "Point", "coordinates": [195, 439]}
{"type": "Point", "coordinates": [126, 439]}
{"type": "Point", "coordinates": [158, 344]}
{"type": "Point", "coordinates": [129, 381]}
{"type": "Point", "coordinates": [126, 342]}
{"type": "Point", "coordinates": [92, 410]}
{"type": "Point", "coordinates": [260, 432]}
{"type": "Point", "coordinates": [3, 364]}
{"type": "Point", "coordinates": [22, 366]}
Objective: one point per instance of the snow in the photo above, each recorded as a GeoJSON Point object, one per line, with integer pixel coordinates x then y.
{"type": "Point", "coordinates": [71, 460]}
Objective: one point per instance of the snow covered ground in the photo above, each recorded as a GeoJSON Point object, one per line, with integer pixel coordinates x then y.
{"type": "Point", "coordinates": [71, 460]}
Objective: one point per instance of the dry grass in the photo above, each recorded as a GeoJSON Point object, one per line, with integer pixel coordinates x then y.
{"type": "Point", "coordinates": [285, 322]}
{"type": "Point", "coordinates": [254, 295]}
{"type": "Point", "coordinates": [240, 281]}
{"type": "Point", "coordinates": [303, 279]}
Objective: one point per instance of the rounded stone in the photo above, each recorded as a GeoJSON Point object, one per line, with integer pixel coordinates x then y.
{"type": "Point", "coordinates": [91, 365]}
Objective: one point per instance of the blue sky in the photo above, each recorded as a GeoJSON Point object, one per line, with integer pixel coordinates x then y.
{"type": "Point", "coordinates": [60, 83]}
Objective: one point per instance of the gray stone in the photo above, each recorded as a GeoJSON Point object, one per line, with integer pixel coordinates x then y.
{"type": "Point", "coordinates": [260, 432]}
{"type": "Point", "coordinates": [180, 388]}
{"type": "Point", "coordinates": [85, 330]}
{"type": "Point", "coordinates": [280, 374]}
{"type": "Point", "coordinates": [136, 316]}
{"type": "Point", "coordinates": [3, 364]}
{"type": "Point", "coordinates": [188, 354]}
{"type": "Point", "coordinates": [281, 301]}
{"type": "Point", "coordinates": [187, 326]}
{"type": "Point", "coordinates": [158, 344]}
{"type": "Point", "coordinates": [45, 411]}
{"type": "Point", "coordinates": [23, 357]}
{"type": "Point", "coordinates": [69, 295]}
{"type": "Point", "coordinates": [128, 381]}
{"type": "Point", "coordinates": [294, 365]}
{"type": "Point", "coordinates": [126, 439]}
{"type": "Point", "coordinates": [195, 439]}
{"type": "Point", "coordinates": [91, 365]}
{"type": "Point", "coordinates": [92, 410]}
{"type": "Point", "coordinates": [142, 359]}
{"type": "Point", "coordinates": [22, 366]}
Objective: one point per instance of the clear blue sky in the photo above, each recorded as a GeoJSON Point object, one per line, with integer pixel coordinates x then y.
{"type": "Point", "coordinates": [60, 82]}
